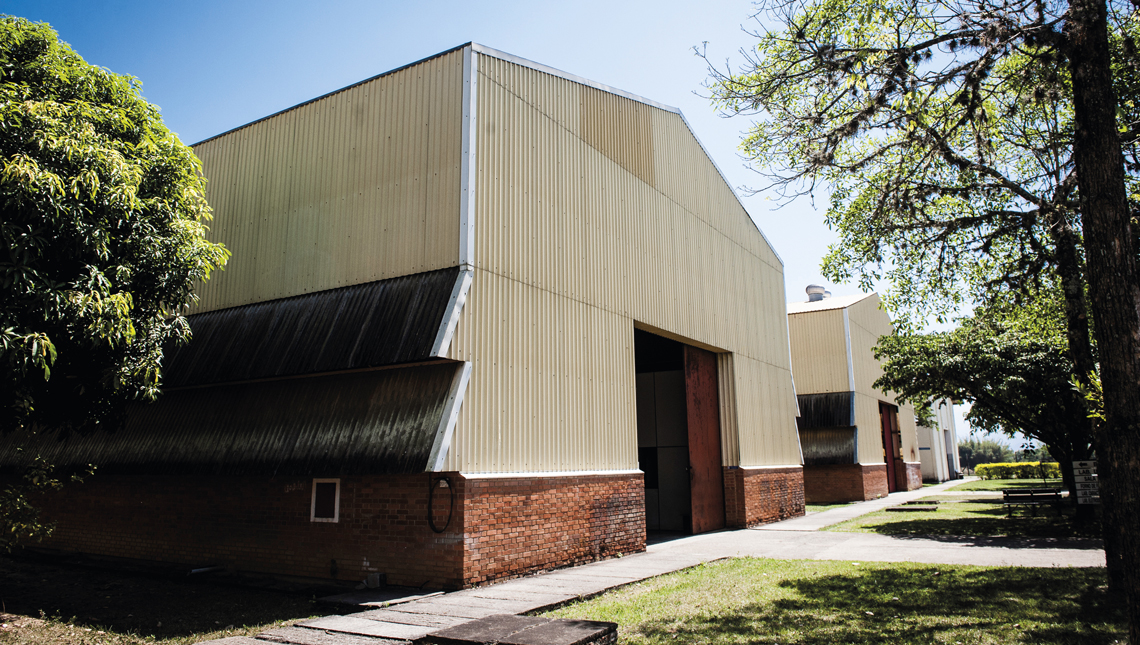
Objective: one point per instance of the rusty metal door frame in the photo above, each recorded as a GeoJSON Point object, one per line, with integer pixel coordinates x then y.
{"type": "Point", "coordinates": [706, 475]}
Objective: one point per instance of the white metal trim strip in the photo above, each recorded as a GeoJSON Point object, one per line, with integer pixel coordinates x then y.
{"type": "Point", "coordinates": [468, 167]}
{"type": "Point", "coordinates": [563, 473]}
{"type": "Point", "coordinates": [454, 308]}
{"type": "Point", "coordinates": [450, 416]}
{"type": "Point", "coordinates": [850, 358]}
{"type": "Point", "coordinates": [771, 467]}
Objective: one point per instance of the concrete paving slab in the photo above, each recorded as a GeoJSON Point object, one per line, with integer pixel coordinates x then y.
{"type": "Point", "coordinates": [407, 618]}
{"type": "Point", "coordinates": [454, 611]}
{"type": "Point", "coordinates": [522, 595]}
{"type": "Point", "coordinates": [303, 636]}
{"type": "Point", "coordinates": [565, 632]}
{"type": "Point", "coordinates": [234, 640]}
{"type": "Point", "coordinates": [379, 597]}
{"type": "Point", "coordinates": [492, 629]}
{"type": "Point", "coordinates": [364, 627]}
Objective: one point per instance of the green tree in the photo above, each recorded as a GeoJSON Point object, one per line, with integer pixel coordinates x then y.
{"type": "Point", "coordinates": [1010, 363]}
{"type": "Point", "coordinates": [103, 216]}
{"type": "Point", "coordinates": [973, 452]}
{"type": "Point", "coordinates": [972, 147]}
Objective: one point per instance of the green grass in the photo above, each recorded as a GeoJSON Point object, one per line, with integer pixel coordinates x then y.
{"type": "Point", "coordinates": [799, 602]}
{"type": "Point", "coordinates": [1001, 484]}
{"type": "Point", "coordinates": [819, 508]}
{"type": "Point", "coordinates": [971, 516]}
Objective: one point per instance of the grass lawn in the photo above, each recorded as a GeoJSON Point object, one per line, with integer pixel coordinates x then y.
{"type": "Point", "coordinates": [818, 602]}
{"type": "Point", "coordinates": [817, 508]}
{"type": "Point", "coordinates": [57, 603]}
{"type": "Point", "coordinates": [971, 516]}
{"type": "Point", "coordinates": [1002, 484]}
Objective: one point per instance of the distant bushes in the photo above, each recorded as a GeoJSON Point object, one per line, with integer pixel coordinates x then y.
{"type": "Point", "coordinates": [1020, 470]}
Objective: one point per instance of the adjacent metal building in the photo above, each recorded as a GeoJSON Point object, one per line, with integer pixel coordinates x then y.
{"type": "Point", "coordinates": [938, 444]}
{"type": "Point", "coordinates": [482, 317]}
{"type": "Point", "coordinates": [858, 441]}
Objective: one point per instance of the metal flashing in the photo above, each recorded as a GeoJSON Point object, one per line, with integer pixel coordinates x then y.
{"type": "Point", "coordinates": [443, 435]}
{"type": "Point", "coordinates": [850, 358]}
{"type": "Point", "coordinates": [454, 308]}
{"type": "Point", "coordinates": [468, 164]}
{"type": "Point", "coordinates": [560, 473]}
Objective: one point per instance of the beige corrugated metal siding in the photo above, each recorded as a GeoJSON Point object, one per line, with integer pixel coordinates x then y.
{"type": "Point", "coordinates": [594, 211]}
{"type": "Point", "coordinates": [819, 351]}
{"type": "Point", "coordinates": [357, 186]}
{"type": "Point", "coordinates": [868, 323]}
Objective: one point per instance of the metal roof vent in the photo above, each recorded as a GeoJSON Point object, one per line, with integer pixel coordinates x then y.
{"type": "Point", "coordinates": [816, 293]}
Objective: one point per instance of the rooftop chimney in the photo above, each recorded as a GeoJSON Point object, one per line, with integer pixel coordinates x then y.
{"type": "Point", "coordinates": [816, 293]}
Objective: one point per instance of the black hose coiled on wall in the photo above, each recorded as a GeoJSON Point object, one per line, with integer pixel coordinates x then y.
{"type": "Point", "coordinates": [433, 482]}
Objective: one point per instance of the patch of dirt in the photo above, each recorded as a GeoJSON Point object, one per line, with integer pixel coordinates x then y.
{"type": "Point", "coordinates": [162, 603]}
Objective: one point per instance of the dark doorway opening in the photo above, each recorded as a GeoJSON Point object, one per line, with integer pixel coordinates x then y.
{"type": "Point", "coordinates": [892, 442]}
{"type": "Point", "coordinates": [678, 435]}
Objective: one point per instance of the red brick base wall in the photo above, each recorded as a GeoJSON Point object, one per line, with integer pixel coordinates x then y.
{"type": "Point", "coordinates": [913, 475]}
{"type": "Point", "coordinates": [259, 524]}
{"type": "Point", "coordinates": [754, 496]}
{"type": "Point", "coordinates": [844, 483]}
{"type": "Point", "coordinates": [498, 527]}
{"type": "Point", "coordinates": [518, 525]}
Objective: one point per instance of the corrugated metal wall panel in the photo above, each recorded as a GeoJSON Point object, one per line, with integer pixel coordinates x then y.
{"type": "Point", "coordinates": [578, 234]}
{"type": "Point", "coordinates": [358, 186]}
{"type": "Point", "coordinates": [537, 401]}
{"type": "Point", "coordinates": [819, 352]}
{"type": "Point", "coordinates": [868, 322]}
{"type": "Point", "coordinates": [766, 413]}
{"type": "Point", "coordinates": [729, 422]}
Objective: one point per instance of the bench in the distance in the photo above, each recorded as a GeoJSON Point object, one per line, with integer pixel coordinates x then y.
{"type": "Point", "coordinates": [1032, 497]}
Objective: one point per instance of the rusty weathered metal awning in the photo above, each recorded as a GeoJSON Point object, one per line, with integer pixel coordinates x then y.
{"type": "Point", "coordinates": [376, 421]}
{"type": "Point", "coordinates": [385, 322]}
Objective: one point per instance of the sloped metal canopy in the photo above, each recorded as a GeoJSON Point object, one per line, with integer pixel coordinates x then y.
{"type": "Point", "coordinates": [378, 323]}
{"type": "Point", "coordinates": [828, 410]}
{"type": "Point", "coordinates": [375, 422]}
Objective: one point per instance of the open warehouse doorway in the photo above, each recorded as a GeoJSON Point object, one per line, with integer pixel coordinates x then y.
{"type": "Point", "coordinates": [678, 435]}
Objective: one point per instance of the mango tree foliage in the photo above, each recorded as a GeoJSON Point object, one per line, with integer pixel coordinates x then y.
{"type": "Point", "coordinates": [103, 218]}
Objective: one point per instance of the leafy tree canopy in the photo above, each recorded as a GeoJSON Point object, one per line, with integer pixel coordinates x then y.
{"type": "Point", "coordinates": [103, 217]}
{"type": "Point", "coordinates": [943, 130]}
{"type": "Point", "coordinates": [1009, 362]}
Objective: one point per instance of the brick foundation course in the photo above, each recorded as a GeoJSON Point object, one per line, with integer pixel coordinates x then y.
{"type": "Point", "coordinates": [844, 483]}
{"type": "Point", "coordinates": [913, 475]}
{"type": "Point", "coordinates": [498, 528]}
{"type": "Point", "coordinates": [518, 525]}
{"type": "Point", "coordinates": [262, 525]}
{"type": "Point", "coordinates": [754, 496]}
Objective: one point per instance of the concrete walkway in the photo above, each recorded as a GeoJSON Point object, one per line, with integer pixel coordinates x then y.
{"type": "Point", "coordinates": [798, 538]}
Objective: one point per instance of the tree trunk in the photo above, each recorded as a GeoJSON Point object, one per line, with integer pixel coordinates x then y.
{"type": "Point", "coordinates": [1079, 343]}
{"type": "Point", "coordinates": [1114, 289]}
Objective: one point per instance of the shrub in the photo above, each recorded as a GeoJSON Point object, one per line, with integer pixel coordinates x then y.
{"type": "Point", "coordinates": [1020, 470]}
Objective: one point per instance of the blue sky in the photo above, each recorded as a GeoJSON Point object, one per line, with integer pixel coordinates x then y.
{"type": "Point", "coordinates": [213, 65]}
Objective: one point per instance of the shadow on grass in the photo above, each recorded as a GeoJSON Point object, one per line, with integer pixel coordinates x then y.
{"type": "Point", "coordinates": [919, 605]}
{"type": "Point", "coordinates": [981, 518]}
{"type": "Point", "coordinates": [164, 605]}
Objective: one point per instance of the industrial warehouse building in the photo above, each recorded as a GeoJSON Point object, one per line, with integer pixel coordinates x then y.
{"type": "Point", "coordinates": [858, 442]}
{"type": "Point", "coordinates": [482, 318]}
{"type": "Point", "coordinates": [938, 444]}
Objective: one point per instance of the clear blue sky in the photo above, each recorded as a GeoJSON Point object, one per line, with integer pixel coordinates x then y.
{"type": "Point", "coordinates": [213, 65]}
